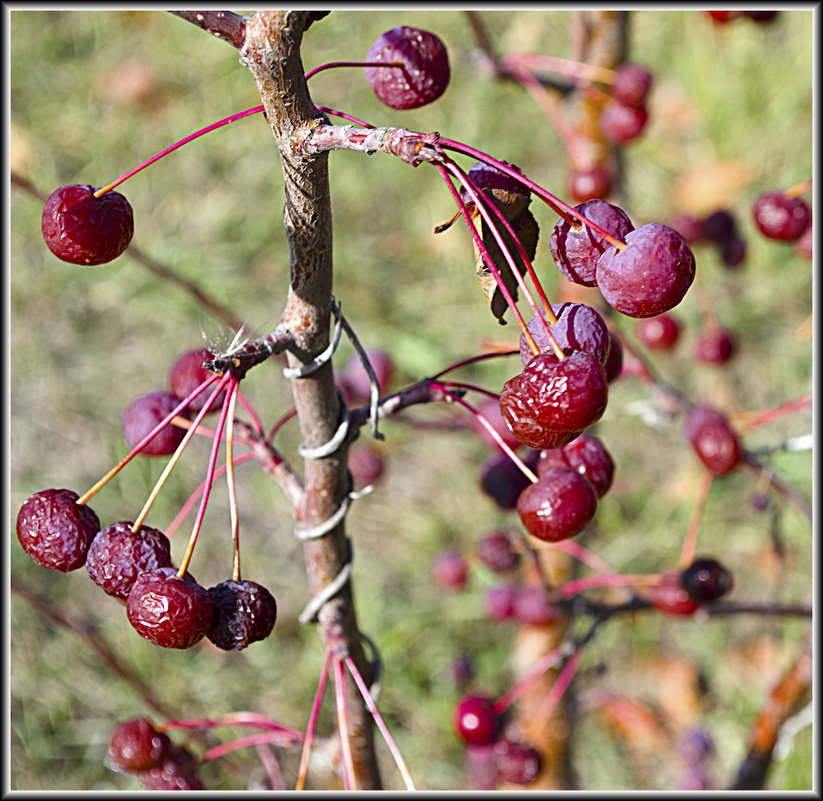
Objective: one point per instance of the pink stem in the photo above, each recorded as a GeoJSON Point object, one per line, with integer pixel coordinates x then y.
{"type": "Point", "coordinates": [560, 686]}
{"type": "Point", "coordinates": [258, 426]}
{"type": "Point", "coordinates": [332, 64]}
{"type": "Point", "coordinates": [247, 113]}
{"type": "Point", "coordinates": [341, 704]}
{"type": "Point", "coordinates": [474, 359]}
{"type": "Point", "coordinates": [245, 742]}
{"type": "Point", "coordinates": [198, 521]}
{"type": "Point", "coordinates": [492, 432]}
{"type": "Point", "coordinates": [345, 116]}
{"type": "Point", "coordinates": [609, 580]}
{"type": "Point", "coordinates": [253, 720]}
{"type": "Point", "coordinates": [311, 726]}
{"type": "Point", "coordinates": [690, 541]}
{"type": "Point", "coordinates": [543, 664]}
{"type": "Point", "coordinates": [580, 553]}
{"type": "Point", "coordinates": [378, 719]}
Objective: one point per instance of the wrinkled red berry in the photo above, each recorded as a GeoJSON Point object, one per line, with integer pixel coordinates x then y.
{"type": "Point", "coordinates": [83, 229]}
{"type": "Point", "coordinates": [588, 456]}
{"type": "Point", "coordinates": [55, 531]}
{"type": "Point", "coordinates": [516, 763]}
{"type": "Point", "coordinates": [176, 773]}
{"type": "Point", "coordinates": [117, 556]}
{"type": "Point", "coordinates": [578, 327]}
{"type": "Point", "coordinates": [144, 413]}
{"type": "Point", "coordinates": [169, 611]}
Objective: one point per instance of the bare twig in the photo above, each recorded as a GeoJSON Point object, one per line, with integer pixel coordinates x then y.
{"type": "Point", "coordinates": [225, 25]}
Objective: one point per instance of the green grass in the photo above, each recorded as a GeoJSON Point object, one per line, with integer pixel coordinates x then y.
{"type": "Point", "coordinates": [84, 342]}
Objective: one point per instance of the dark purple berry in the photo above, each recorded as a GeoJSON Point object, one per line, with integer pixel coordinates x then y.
{"type": "Point", "coordinates": [733, 252]}
{"type": "Point", "coordinates": [650, 275]}
{"type": "Point", "coordinates": [424, 74]}
{"type": "Point", "coordinates": [244, 612]}
{"type": "Point", "coordinates": [83, 229]}
{"type": "Point", "coordinates": [117, 556]}
{"type": "Point", "coordinates": [578, 327]}
{"type": "Point", "coordinates": [136, 746]}
{"type": "Point", "coordinates": [169, 611]}
{"type": "Point", "coordinates": [55, 531]}
{"type": "Point", "coordinates": [559, 505]}
{"type": "Point", "coordinates": [720, 226]}
{"type": "Point", "coordinates": [144, 413]}
{"type": "Point", "coordinates": [475, 720]}
{"type": "Point", "coordinates": [614, 361]}
{"type": "Point", "coordinates": [502, 480]}
{"type": "Point", "coordinates": [706, 580]}
{"type": "Point", "coordinates": [176, 773]}
{"type": "Point", "coordinates": [576, 248]}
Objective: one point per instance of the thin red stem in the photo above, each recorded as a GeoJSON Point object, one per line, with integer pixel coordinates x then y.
{"type": "Point", "coordinates": [474, 359]}
{"type": "Point", "coordinates": [608, 580]}
{"type": "Point", "coordinates": [341, 704]}
{"type": "Point", "coordinates": [690, 542]}
{"type": "Point", "coordinates": [333, 64]}
{"type": "Point", "coordinates": [546, 662]}
{"type": "Point", "coordinates": [311, 726]}
{"type": "Point", "coordinates": [557, 691]}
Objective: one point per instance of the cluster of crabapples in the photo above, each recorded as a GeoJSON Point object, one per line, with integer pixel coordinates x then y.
{"type": "Point", "coordinates": [132, 563]}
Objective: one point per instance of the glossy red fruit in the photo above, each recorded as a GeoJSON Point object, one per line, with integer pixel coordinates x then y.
{"type": "Point", "coordinates": [83, 229]}
{"type": "Point", "coordinates": [670, 598]}
{"type": "Point", "coordinates": [594, 183]}
{"type": "Point", "coordinates": [187, 373]}
{"type": "Point", "coordinates": [559, 505]}
{"type": "Point", "coordinates": [588, 456]}
{"type": "Point", "coordinates": [552, 396]}
{"type": "Point", "coordinates": [425, 73]}
{"type": "Point", "coordinates": [621, 123]}
{"type": "Point", "coordinates": [781, 217]}
{"type": "Point", "coordinates": [496, 551]}
{"type": "Point", "coordinates": [706, 580]}
{"type": "Point", "coordinates": [475, 720]}
{"type": "Point", "coordinates": [713, 440]}
{"type": "Point", "coordinates": [55, 531]}
{"type": "Point", "coordinates": [716, 346]}
{"type": "Point", "coordinates": [244, 612]}
{"type": "Point", "coordinates": [631, 84]}
{"type": "Point", "coordinates": [648, 277]}
{"type": "Point", "coordinates": [169, 611]}
{"type": "Point", "coordinates": [660, 332]}
{"type": "Point", "coordinates": [576, 248]}
{"type": "Point", "coordinates": [516, 763]}
{"type": "Point", "coordinates": [450, 570]}
{"type": "Point", "coordinates": [144, 413]}
{"type": "Point", "coordinates": [136, 746]}
{"type": "Point", "coordinates": [578, 327]}
{"type": "Point", "coordinates": [117, 556]}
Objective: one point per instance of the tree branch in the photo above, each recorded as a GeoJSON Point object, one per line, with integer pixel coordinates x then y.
{"type": "Point", "coordinates": [225, 25]}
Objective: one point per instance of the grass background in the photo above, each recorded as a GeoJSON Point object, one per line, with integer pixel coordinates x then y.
{"type": "Point", "coordinates": [731, 116]}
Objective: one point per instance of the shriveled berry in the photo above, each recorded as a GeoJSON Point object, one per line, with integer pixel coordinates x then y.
{"type": "Point", "coordinates": [588, 456]}
{"type": "Point", "coordinates": [715, 346]}
{"type": "Point", "coordinates": [648, 277]}
{"type": "Point", "coordinates": [631, 84]}
{"type": "Point", "coordinates": [244, 612]}
{"type": "Point", "coordinates": [706, 580]}
{"type": "Point", "coordinates": [670, 598]}
{"type": "Point", "coordinates": [136, 746]}
{"type": "Point", "coordinates": [144, 413]}
{"type": "Point", "coordinates": [496, 551]}
{"type": "Point", "coordinates": [660, 332]}
{"type": "Point", "coordinates": [424, 74]}
{"type": "Point", "coordinates": [55, 531]}
{"type": "Point", "coordinates": [552, 396]}
{"type": "Point", "coordinates": [781, 217]}
{"type": "Point", "coordinates": [187, 373]}
{"type": "Point", "coordinates": [169, 611]}
{"type": "Point", "coordinates": [83, 229]}
{"type": "Point", "coordinates": [621, 123]}
{"type": "Point", "coordinates": [576, 248]}
{"type": "Point", "coordinates": [713, 440]}
{"type": "Point", "coordinates": [450, 570]}
{"type": "Point", "coordinates": [475, 720]}
{"type": "Point", "coordinates": [590, 184]}
{"type": "Point", "coordinates": [558, 505]}
{"type": "Point", "coordinates": [516, 762]}
{"type": "Point", "coordinates": [578, 327]}
{"type": "Point", "coordinates": [117, 556]}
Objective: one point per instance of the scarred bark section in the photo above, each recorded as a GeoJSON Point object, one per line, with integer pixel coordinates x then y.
{"type": "Point", "coordinates": [271, 51]}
